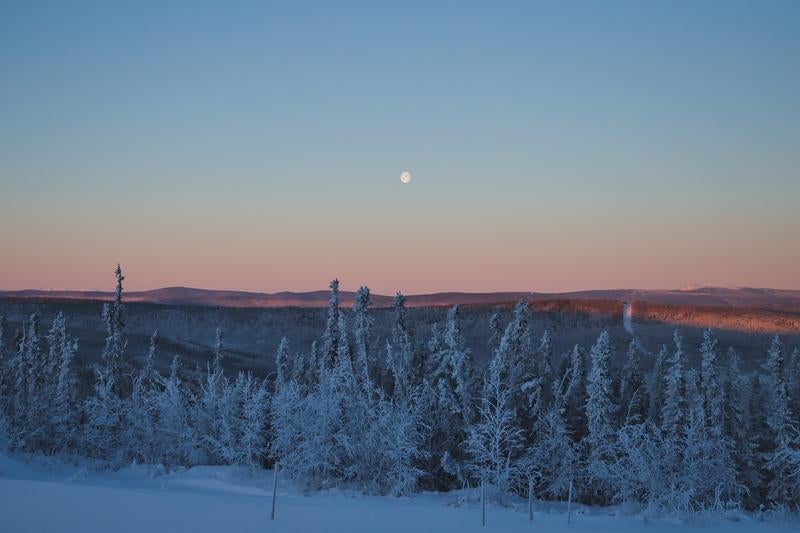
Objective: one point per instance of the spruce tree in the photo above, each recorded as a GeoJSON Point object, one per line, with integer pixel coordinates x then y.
{"type": "Point", "coordinates": [148, 372]}
{"type": "Point", "coordinates": [63, 416]}
{"type": "Point", "coordinates": [599, 411]}
{"type": "Point", "coordinates": [175, 440]}
{"type": "Point", "coordinates": [402, 342]}
{"type": "Point", "coordinates": [544, 373]}
{"type": "Point", "coordinates": [712, 397]}
{"type": "Point", "coordinates": [495, 332]}
{"type": "Point", "coordinates": [451, 403]}
{"type": "Point", "coordinates": [331, 335]}
{"type": "Point", "coordinates": [793, 382]}
{"type": "Point", "coordinates": [114, 351]}
{"type": "Point", "coordinates": [6, 386]}
{"type": "Point", "coordinates": [737, 426]}
{"type": "Point", "coordinates": [551, 461]}
{"type": "Point", "coordinates": [362, 330]}
{"type": "Point", "coordinates": [781, 441]}
{"type": "Point", "coordinates": [35, 404]}
{"type": "Point", "coordinates": [575, 396]}
{"type": "Point", "coordinates": [675, 409]}
{"type": "Point", "coordinates": [658, 385]}
{"type": "Point", "coordinates": [495, 441]}
{"type": "Point", "coordinates": [218, 355]}
{"type": "Point", "coordinates": [282, 364]}
{"type": "Point", "coordinates": [633, 402]}
{"type": "Point", "coordinates": [519, 366]}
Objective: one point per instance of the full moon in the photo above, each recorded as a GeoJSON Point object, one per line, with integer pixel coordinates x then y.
{"type": "Point", "coordinates": [405, 176]}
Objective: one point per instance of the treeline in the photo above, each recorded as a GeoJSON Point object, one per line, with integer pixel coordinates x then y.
{"type": "Point", "coordinates": [394, 415]}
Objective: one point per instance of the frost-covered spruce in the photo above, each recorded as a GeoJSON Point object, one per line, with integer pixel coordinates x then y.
{"type": "Point", "coordinates": [793, 381]}
{"type": "Point", "coordinates": [219, 356]}
{"type": "Point", "coordinates": [362, 331]}
{"type": "Point", "coordinates": [449, 400]}
{"type": "Point", "coordinates": [282, 374]}
{"type": "Point", "coordinates": [575, 397]}
{"type": "Point", "coordinates": [782, 441]}
{"type": "Point", "coordinates": [495, 332]}
{"type": "Point", "coordinates": [33, 370]}
{"type": "Point", "coordinates": [114, 351]}
{"type": "Point", "coordinates": [551, 461]}
{"type": "Point", "coordinates": [675, 408]}
{"type": "Point", "coordinates": [519, 368]}
{"type": "Point", "coordinates": [546, 376]}
{"type": "Point", "coordinates": [633, 395]}
{"type": "Point", "coordinates": [64, 410]}
{"type": "Point", "coordinates": [658, 385]}
{"type": "Point", "coordinates": [599, 414]}
{"type": "Point", "coordinates": [495, 441]}
{"type": "Point", "coordinates": [711, 387]}
{"type": "Point", "coordinates": [737, 424]}
{"type": "Point", "coordinates": [331, 335]}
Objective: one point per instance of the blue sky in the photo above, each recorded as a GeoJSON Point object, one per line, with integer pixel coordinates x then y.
{"type": "Point", "coordinates": [554, 146]}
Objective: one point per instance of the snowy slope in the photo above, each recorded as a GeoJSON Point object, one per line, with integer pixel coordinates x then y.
{"type": "Point", "coordinates": [212, 499]}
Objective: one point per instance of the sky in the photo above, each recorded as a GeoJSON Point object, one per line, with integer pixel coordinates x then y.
{"type": "Point", "coordinates": [258, 145]}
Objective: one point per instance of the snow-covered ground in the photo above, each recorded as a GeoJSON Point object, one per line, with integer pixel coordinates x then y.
{"type": "Point", "coordinates": [48, 496]}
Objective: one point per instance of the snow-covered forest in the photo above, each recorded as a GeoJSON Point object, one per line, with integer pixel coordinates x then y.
{"type": "Point", "coordinates": [401, 414]}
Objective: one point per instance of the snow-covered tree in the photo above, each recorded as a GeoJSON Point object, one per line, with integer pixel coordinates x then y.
{"type": "Point", "coordinates": [176, 438]}
{"type": "Point", "coordinates": [575, 396]}
{"type": "Point", "coordinates": [633, 401]}
{"type": "Point", "coordinates": [138, 431]}
{"type": "Point", "coordinates": [736, 423]}
{"type": "Point", "coordinates": [218, 351]}
{"type": "Point", "coordinates": [674, 412]}
{"type": "Point", "coordinates": [33, 400]}
{"type": "Point", "coordinates": [148, 372]}
{"type": "Point", "coordinates": [518, 366]}
{"type": "Point", "coordinates": [551, 461]}
{"type": "Point", "coordinates": [780, 442]}
{"type": "Point", "coordinates": [712, 397]}
{"type": "Point", "coordinates": [599, 414]}
{"type": "Point", "coordinates": [282, 363]}
{"type": "Point", "coordinates": [308, 427]}
{"type": "Point", "coordinates": [400, 353]}
{"type": "Point", "coordinates": [436, 350]}
{"type": "Point", "coordinates": [495, 332]}
{"type": "Point", "coordinates": [449, 403]}
{"type": "Point", "coordinates": [63, 413]}
{"type": "Point", "coordinates": [658, 385]}
{"type": "Point", "coordinates": [362, 331]}
{"type": "Point", "coordinates": [305, 370]}
{"type": "Point", "coordinates": [495, 440]}
{"type": "Point", "coordinates": [544, 361]}
{"type": "Point", "coordinates": [254, 410]}
{"type": "Point", "coordinates": [104, 413]}
{"type": "Point", "coordinates": [331, 335]}
{"type": "Point", "coordinates": [6, 385]}
{"type": "Point", "coordinates": [793, 382]}
{"type": "Point", "coordinates": [397, 439]}
{"type": "Point", "coordinates": [114, 351]}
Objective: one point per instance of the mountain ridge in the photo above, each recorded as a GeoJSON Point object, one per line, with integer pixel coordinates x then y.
{"type": "Point", "coordinates": [716, 296]}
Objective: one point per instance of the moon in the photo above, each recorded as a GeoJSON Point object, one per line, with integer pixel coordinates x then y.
{"type": "Point", "coordinates": [405, 176]}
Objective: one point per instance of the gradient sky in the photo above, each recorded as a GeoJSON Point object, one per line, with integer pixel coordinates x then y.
{"type": "Point", "coordinates": [258, 146]}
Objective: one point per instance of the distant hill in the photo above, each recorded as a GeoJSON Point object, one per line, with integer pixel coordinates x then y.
{"type": "Point", "coordinates": [785, 300]}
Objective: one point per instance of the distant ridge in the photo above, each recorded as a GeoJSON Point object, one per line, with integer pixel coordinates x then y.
{"type": "Point", "coordinates": [714, 296]}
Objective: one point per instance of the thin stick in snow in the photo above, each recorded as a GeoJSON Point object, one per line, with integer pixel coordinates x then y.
{"type": "Point", "coordinates": [530, 501]}
{"type": "Point", "coordinates": [483, 505]}
{"type": "Point", "coordinates": [569, 502]}
{"type": "Point", "coordinates": [274, 490]}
